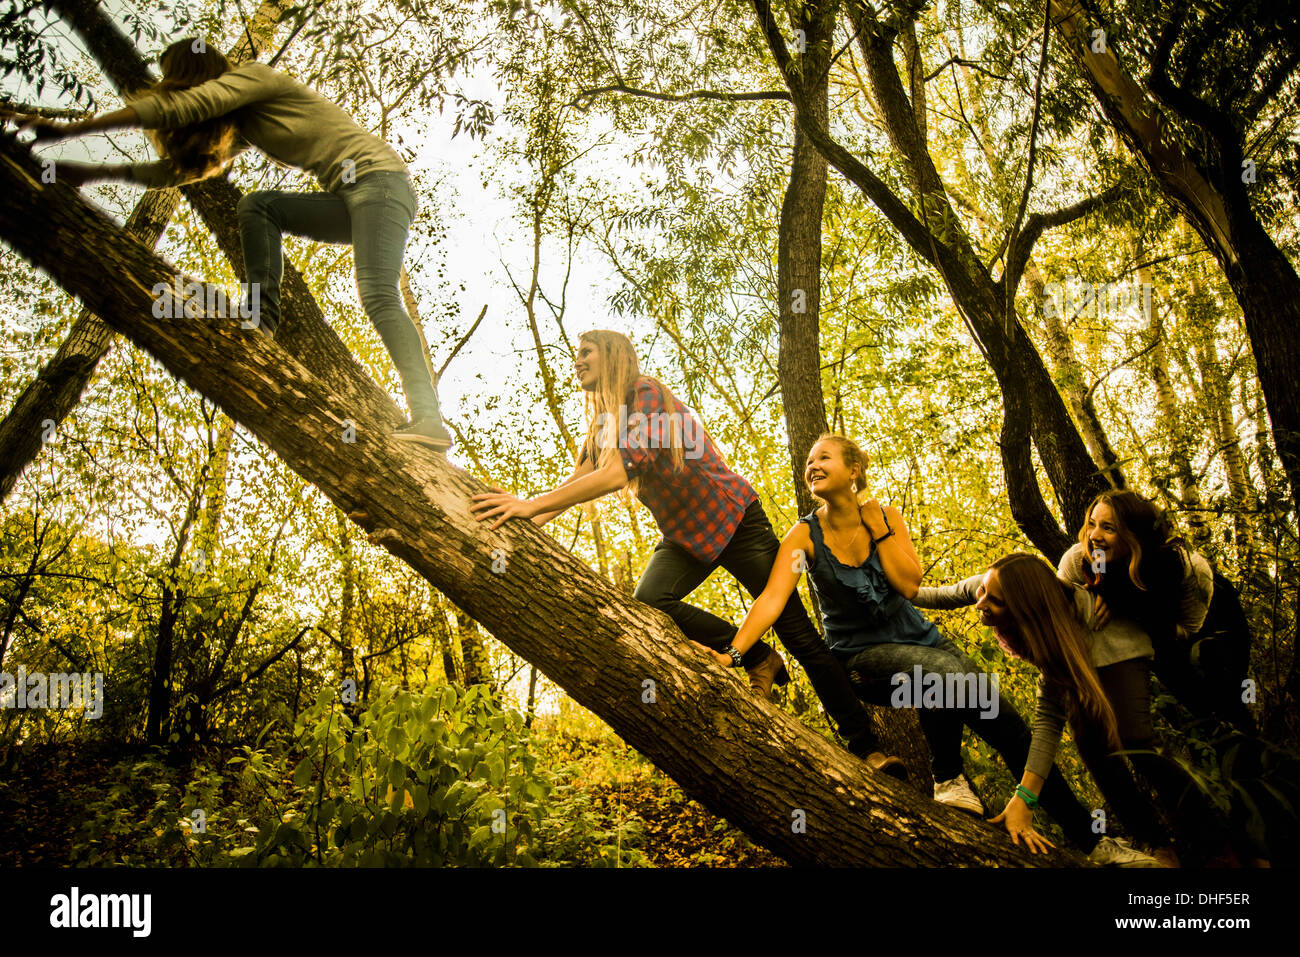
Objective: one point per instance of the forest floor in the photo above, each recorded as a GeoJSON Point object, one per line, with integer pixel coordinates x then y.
{"type": "Point", "coordinates": [613, 799]}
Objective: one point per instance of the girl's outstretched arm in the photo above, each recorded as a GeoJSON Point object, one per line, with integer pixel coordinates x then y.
{"type": "Point", "coordinates": [944, 597]}
{"type": "Point", "coordinates": [584, 467]}
{"type": "Point", "coordinates": [50, 131]}
{"type": "Point", "coordinates": [502, 506]}
{"type": "Point", "coordinates": [791, 561]}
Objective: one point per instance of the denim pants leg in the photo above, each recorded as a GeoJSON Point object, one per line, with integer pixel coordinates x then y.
{"type": "Point", "coordinates": [749, 557]}
{"type": "Point", "coordinates": [374, 215]}
{"type": "Point", "coordinates": [673, 573]}
{"type": "Point", "coordinates": [873, 670]}
{"type": "Point", "coordinates": [1006, 732]}
{"type": "Point", "coordinates": [382, 205]}
{"type": "Point", "coordinates": [264, 218]}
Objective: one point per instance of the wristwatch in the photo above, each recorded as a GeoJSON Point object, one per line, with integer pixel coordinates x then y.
{"type": "Point", "coordinates": [735, 655]}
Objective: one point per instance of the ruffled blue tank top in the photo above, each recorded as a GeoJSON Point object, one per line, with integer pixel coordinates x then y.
{"type": "Point", "coordinates": [859, 607]}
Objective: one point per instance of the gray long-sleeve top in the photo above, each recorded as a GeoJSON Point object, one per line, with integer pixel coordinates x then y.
{"type": "Point", "coordinates": [1194, 593]}
{"type": "Point", "coordinates": [1105, 647]}
{"type": "Point", "coordinates": [289, 122]}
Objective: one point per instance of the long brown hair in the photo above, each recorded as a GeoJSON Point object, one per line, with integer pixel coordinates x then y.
{"type": "Point", "coordinates": [1048, 635]}
{"type": "Point", "coordinates": [199, 149]}
{"type": "Point", "coordinates": [619, 370]}
{"type": "Point", "coordinates": [1153, 546]}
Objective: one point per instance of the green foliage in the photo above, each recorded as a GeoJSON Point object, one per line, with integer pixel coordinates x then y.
{"type": "Point", "coordinates": [1253, 783]}
{"type": "Point", "coordinates": [440, 778]}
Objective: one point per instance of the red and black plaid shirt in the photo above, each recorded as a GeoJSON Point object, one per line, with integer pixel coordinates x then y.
{"type": "Point", "coordinates": [699, 507]}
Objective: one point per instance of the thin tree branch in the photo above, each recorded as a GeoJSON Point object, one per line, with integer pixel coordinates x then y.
{"type": "Point", "coordinates": [679, 97]}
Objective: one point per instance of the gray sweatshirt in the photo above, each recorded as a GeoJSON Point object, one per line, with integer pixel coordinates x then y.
{"type": "Point", "coordinates": [1194, 594]}
{"type": "Point", "coordinates": [289, 122]}
{"type": "Point", "coordinates": [1105, 647]}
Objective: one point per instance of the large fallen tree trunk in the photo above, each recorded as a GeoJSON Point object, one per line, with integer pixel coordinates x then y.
{"type": "Point", "coordinates": [787, 787]}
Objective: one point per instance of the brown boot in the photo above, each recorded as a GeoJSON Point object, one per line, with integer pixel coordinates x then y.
{"type": "Point", "coordinates": [762, 676]}
{"type": "Point", "coordinates": [887, 764]}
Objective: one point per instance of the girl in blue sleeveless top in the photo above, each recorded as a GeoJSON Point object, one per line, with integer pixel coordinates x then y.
{"type": "Point", "coordinates": [864, 569]}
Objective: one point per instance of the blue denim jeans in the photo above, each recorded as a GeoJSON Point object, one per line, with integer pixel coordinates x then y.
{"type": "Point", "coordinates": [373, 214]}
{"type": "Point", "coordinates": [872, 671]}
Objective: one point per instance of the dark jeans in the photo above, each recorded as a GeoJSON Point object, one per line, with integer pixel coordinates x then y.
{"type": "Point", "coordinates": [673, 573]}
{"type": "Point", "coordinates": [374, 215]}
{"type": "Point", "coordinates": [1211, 688]}
{"type": "Point", "coordinates": [1128, 689]}
{"type": "Point", "coordinates": [873, 671]}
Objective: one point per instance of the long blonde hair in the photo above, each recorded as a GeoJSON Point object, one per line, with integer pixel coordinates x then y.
{"type": "Point", "coordinates": [619, 371]}
{"type": "Point", "coordinates": [199, 149]}
{"type": "Point", "coordinates": [1049, 636]}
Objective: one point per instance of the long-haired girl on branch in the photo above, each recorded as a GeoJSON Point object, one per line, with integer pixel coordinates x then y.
{"type": "Point", "coordinates": [203, 112]}
{"type": "Point", "coordinates": [1159, 589]}
{"type": "Point", "coordinates": [639, 434]}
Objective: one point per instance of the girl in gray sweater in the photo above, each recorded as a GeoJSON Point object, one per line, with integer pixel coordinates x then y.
{"type": "Point", "coordinates": [1096, 677]}
{"type": "Point", "coordinates": [204, 112]}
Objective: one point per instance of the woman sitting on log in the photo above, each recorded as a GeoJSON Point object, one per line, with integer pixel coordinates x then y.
{"type": "Point", "coordinates": [639, 434]}
{"type": "Point", "coordinates": [203, 112]}
{"type": "Point", "coordinates": [864, 569]}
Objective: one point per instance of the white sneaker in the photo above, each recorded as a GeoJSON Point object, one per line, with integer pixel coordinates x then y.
{"type": "Point", "coordinates": [957, 793]}
{"type": "Point", "coordinates": [1112, 853]}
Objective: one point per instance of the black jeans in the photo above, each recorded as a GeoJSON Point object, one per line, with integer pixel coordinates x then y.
{"type": "Point", "coordinates": [1128, 689]}
{"type": "Point", "coordinates": [673, 573]}
{"type": "Point", "coordinates": [873, 670]}
{"type": "Point", "coordinates": [1212, 688]}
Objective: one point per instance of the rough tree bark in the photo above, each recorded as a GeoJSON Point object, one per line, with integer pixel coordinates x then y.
{"type": "Point", "coordinates": [785, 786]}
{"type": "Point", "coordinates": [799, 258]}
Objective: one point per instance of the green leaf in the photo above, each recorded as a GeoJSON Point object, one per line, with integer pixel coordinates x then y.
{"type": "Point", "coordinates": [303, 772]}
{"type": "Point", "coordinates": [480, 836]}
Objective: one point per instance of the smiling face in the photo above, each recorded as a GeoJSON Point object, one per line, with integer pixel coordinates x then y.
{"type": "Point", "coordinates": [587, 365]}
{"type": "Point", "coordinates": [991, 603]}
{"type": "Point", "coordinates": [1103, 534]}
{"type": "Point", "coordinates": [826, 471]}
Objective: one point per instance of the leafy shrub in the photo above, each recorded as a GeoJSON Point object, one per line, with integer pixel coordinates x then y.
{"type": "Point", "coordinates": [438, 778]}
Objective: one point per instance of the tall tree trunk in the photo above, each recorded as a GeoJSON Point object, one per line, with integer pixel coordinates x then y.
{"type": "Point", "coordinates": [1216, 395]}
{"type": "Point", "coordinates": [799, 259]}
{"type": "Point", "coordinates": [786, 787]}
{"type": "Point", "coordinates": [549, 390]}
{"type": "Point", "coordinates": [799, 279]}
{"type": "Point", "coordinates": [157, 726]}
{"type": "Point", "coordinates": [1072, 379]}
{"type": "Point", "coordinates": [530, 709]}
{"type": "Point", "coordinates": [1214, 199]}
{"type": "Point", "coordinates": [348, 610]}
{"type": "Point", "coordinates": [473, 652]}
{"type": "Point", "coordinates": [1035, 417]}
